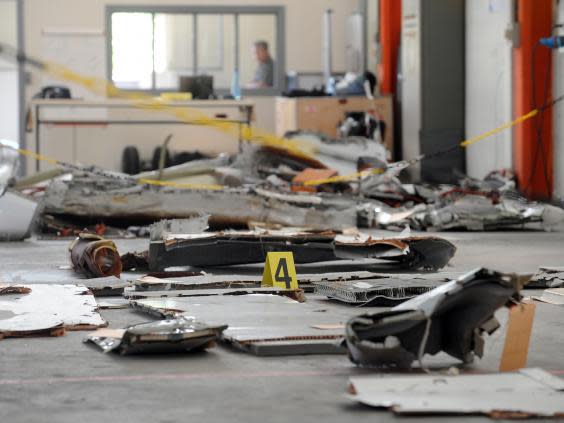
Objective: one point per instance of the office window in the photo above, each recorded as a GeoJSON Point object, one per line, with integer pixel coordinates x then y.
{"type": "Point", "coordinates": [132, 50]}
{"type": "Point", "coordinates": [216, 47]}
{"type": "Point", "coordinates": [174, 49]}
{"type": "Point", "coordinates": [152, 48]}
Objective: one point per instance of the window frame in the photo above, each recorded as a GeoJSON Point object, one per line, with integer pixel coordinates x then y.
{"type": "Point", "coordinates": [277, 11]}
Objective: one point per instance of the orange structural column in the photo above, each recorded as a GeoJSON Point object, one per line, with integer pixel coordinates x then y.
{"type": "Point", "coordinates": [390, 35]}
{"type": "Point", "coordinates": [533, 154]}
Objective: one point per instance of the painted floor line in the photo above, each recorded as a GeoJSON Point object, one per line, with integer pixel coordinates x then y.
{"type": "Point", "coordinates": [186, 376]}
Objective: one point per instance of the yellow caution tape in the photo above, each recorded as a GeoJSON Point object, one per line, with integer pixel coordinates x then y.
{"type": "Point", "coordinates": [36, 156]}
{"type": "Point", "coordinates": [184, 114]}
{"type": "Point", "coordinates": [104, 88]}
{"type": "Point", "coordinates": [179, 185]}
{"type": "Point", "coordinates": [501, 128]}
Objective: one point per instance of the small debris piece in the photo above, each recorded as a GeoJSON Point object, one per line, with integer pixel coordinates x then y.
{"type": "Point", "coordinates": [527, 393]}
{"type": "Point", "coordinates": [179, 334]}
{"type": "Point", "coordinates": [95, 256]}
{"type": "Point", "coordinates": [547, 277]}
{"type": "Point", "coordinates": [48, 310]}
{"type": "Point", "coordinates": [14, 289]}
{"type": "Point", "coordinates": [135, 261]}
{"type": "Point", "coordinates": [552, 296]}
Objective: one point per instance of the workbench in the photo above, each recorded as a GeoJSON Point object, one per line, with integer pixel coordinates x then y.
{"type": "Point", "coordinates": [97, 132]}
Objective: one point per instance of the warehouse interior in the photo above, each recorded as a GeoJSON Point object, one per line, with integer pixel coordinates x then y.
{"type": "Point", "coordinates": [248, 210]}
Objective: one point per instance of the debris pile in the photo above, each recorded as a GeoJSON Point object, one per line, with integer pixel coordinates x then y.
{"type": "Point", "coordinates": [491, 204]}
{"type": "Point", "coordinates": [261, 252]}
{"type": "Point", "coordinates": [345, 183]}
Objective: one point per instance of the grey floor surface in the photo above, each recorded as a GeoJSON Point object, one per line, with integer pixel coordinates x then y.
{"type": "Point", "coordinates": [64, 380]}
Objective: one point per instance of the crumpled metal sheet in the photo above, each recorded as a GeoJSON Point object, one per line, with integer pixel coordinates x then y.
{"type": "Point", "coordinates": [242, 247]}
{"type": "Point", "coordinates": [95, 256]}
{"type": "Point", "coordinates": [341, 154]}
{"type": "Point", "coordinates": [476, 205]}
{"type": "Point", "coordinates": [48, 310]}
{"type": "Point", "coordinates": [473, 212]}
{"type": "Point", "coordinates": [547, 277]}
{"type": "Point", "coordinates": [179, 334]}
{"type": "Point", "coordinates": [450, 318]}
{"type": "Point", "coordinates": [527, 393]}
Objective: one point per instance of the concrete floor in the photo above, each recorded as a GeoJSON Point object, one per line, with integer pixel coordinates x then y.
{"type": "Point", "coordinates": [64, 380]}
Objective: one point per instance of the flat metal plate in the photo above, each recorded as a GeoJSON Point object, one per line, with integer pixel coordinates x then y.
{"type": "Point", "coordinates": [208, 281]}
{"type": "Point", "coordinates": [48, 306]}
{"type": "Point", "coordinates": [292, 293]}
{"type": "Point", "coordinates": [106, 287]}
{"type": "Point", "coordinates": [531, 392]}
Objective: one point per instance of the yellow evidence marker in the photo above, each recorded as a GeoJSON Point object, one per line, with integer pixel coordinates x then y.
{"type": "Point", "coordinates": [280, 271]}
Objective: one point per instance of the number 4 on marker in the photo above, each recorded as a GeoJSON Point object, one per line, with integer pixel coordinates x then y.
{"type": "Point", "coordinates": [280, 271]}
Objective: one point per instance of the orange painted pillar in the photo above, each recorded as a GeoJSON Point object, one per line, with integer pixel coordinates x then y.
{"type": "Point", "coordinates": [390, 36]}
{"type": "Point", "coordinates": [533, 158]}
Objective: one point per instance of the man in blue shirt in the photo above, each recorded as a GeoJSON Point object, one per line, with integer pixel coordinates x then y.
{"type": "Point", "coordinates": [264, 74]}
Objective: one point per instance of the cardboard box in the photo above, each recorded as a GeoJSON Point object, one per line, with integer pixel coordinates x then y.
{"type": "Point", "coordinates": [324, 114]}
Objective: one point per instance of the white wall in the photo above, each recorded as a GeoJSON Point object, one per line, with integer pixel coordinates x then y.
{"type": "Point", "coordinates": [488, 84]}
{"type": "Point", "coordinates": [303, 24]}
{"type": "Point", "coordinates": [85, 51]}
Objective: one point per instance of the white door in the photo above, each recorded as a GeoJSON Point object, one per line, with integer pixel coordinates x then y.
{"type": "Point", "coordinates": [488, 84]}
{"type": "Point", "coordinates": [559, 111]}
{"type": "Point", "coordinates": [410, 83]}
{"type": "Point", "coordinates": [9, 74]}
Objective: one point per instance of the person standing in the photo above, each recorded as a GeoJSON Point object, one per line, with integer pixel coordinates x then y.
{"type": "Point", "coordinates": [264, 74]}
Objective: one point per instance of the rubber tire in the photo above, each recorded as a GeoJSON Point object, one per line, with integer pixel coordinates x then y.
{"type": "Point", "coordinates": [130, 162]}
